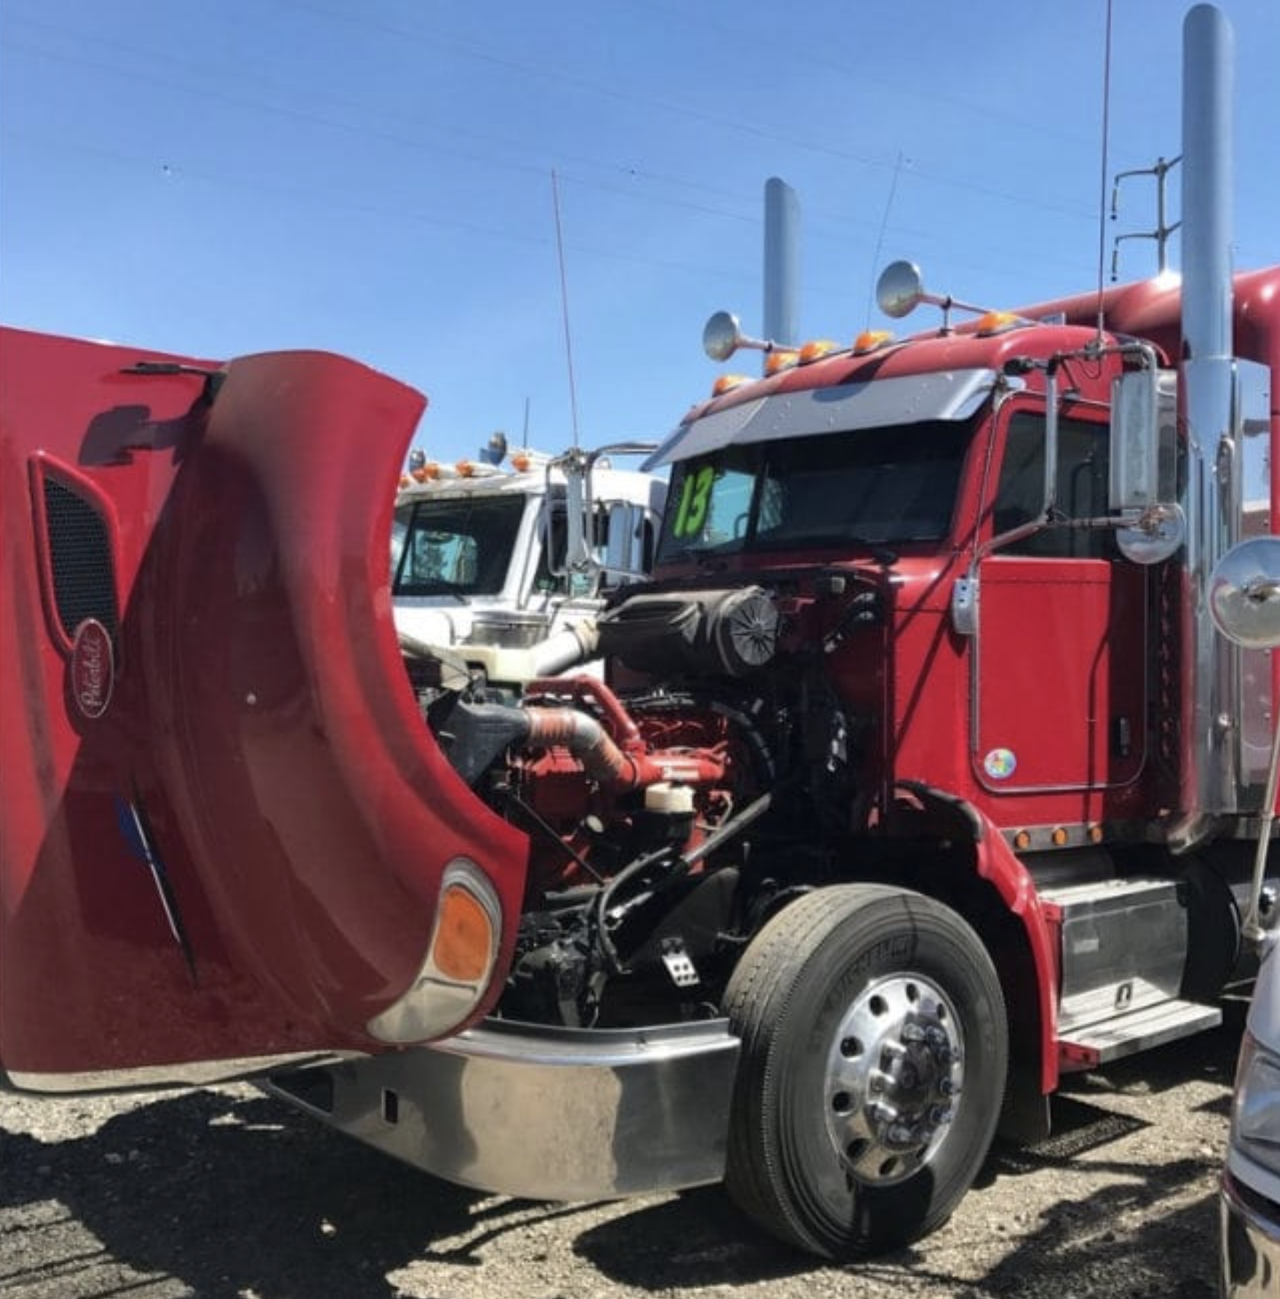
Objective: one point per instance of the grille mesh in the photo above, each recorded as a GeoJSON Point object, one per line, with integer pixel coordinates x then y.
{"type": "Point", "coordinates": [80, 556]}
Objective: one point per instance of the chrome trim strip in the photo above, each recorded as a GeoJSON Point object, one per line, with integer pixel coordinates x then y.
{"type": "Point", "coordinates": [197, 1073]}
{"type": "Point", "coordinates": [1078, 834]}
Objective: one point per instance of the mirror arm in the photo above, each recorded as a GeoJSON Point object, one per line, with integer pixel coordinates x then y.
{"type": "Point", "coordinates": [1050, 440]}
{"type": "Point", "coordinates": [1251, 928]}
{"type": "Point", "coordinates": [1244, 605]}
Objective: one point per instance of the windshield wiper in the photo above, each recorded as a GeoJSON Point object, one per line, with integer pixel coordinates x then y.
{"type": "Point", "coordinates": [879, 551]}
{"type": "Point", "coordinates": [436, 586]}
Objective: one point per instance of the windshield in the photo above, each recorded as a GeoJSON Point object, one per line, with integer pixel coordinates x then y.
{"type": "Point", "coordinates": [457, 547]}
{"type": "Point", "coordinates": [871, 486]}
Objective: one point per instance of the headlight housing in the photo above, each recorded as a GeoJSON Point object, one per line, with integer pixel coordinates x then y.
{"type": "Point", "coordinates": [1255, 1109]}
{"type": "Point", "coordinates": [458, 965]}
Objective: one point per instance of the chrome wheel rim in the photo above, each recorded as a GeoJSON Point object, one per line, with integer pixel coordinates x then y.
{"type": "Point", "coordinates": [894, 1077]}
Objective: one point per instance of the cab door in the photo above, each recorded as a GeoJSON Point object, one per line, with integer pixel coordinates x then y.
{"type": "Point", "coordinates": [1060, 704]}
{"type": "Point", "coordinates": [226, 836]}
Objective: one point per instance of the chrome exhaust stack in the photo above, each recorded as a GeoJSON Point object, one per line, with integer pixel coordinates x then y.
{"type": "Point", "coordinates": [781, 261]}
{"type": "Point", "coordinates": [1226, 695]}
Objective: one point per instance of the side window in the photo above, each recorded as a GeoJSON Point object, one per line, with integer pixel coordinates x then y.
{"type": "Point", "coordinates": [1082, 488]}
{"type": "Point", "coordinates": [603, 517]}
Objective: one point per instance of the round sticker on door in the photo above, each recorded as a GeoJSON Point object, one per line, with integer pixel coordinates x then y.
{"type": "Point", "coordinates": [1000, 764]}
{"type": "Point", "coordinates": [93, 668]}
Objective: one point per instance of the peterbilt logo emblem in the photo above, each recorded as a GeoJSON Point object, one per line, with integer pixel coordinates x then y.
{"type": "Point", "coordinates": [93, 668]}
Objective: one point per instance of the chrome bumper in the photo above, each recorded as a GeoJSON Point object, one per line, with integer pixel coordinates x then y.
{"type": "Point", "coordinates": [1250, 1243]}
{"type": "Point", "coordinates": [540, 1113]}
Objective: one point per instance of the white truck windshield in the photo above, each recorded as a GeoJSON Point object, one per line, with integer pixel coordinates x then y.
{"type": "Point", "coordinates": [454, 546]}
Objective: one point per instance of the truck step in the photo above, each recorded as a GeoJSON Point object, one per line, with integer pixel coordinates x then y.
{"type": "Point", "coordinates": [1104, 1040]}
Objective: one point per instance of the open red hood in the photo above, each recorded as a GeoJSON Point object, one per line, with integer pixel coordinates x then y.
{"type": "Point", "coordinates": [225, 825]}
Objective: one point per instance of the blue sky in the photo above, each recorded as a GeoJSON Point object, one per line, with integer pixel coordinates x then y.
{"type": "Point", "coordinates": [375, 177]}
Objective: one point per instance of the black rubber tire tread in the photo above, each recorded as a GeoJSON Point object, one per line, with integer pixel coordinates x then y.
{"type": "Point", "coordinates": [812, 956]}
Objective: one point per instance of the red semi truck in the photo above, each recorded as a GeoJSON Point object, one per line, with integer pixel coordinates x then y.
{"type": "Point", "coordinates": [918, 775]}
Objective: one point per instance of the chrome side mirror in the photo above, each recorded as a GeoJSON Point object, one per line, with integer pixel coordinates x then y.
{"type": "Point", "coordinates": [722, 336]}
{"type": "Point", "coordinates": [900, 289]}
{"type": "Point", "coordinates": [1244, 593]}
{"type": "Point", "coordinates": [1143, 487]}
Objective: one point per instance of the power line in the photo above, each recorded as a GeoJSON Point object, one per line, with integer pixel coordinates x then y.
{"type": "Point", "coordinates": [806, 143]}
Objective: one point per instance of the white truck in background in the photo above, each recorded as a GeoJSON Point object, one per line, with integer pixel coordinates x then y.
{"type": "Point", "coordinates": [500, 568]}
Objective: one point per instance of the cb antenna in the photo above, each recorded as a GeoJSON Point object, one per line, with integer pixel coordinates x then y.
{"type": "Point", "coordinates": [564, 310]}
{"type": "Point", "coordinates": [1106, 130]}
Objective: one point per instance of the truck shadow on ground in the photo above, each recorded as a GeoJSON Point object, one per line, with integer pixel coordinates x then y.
{"type": "Point", "coordinates": [231, 1197]}
{"type": "Point", "coordinates": [230, 1193]}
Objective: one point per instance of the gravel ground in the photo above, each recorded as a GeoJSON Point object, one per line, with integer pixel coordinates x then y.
{"type": "Point", "coordinates": [227, 1193]}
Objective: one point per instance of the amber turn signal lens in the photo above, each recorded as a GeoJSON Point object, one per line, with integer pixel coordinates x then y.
{"type": "Point", "coordinates": [464, 936]}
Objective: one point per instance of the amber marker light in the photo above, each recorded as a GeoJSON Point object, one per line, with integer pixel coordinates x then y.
{"type": "Point", "coordinates": [998, 322]}
{"type": "Point", "coordinates": [1022, 840]}
{"type": "Point", "coordinates": [871, 340]}
{"type": "Point", "coordinates": [780, 359]}
{"type": "Point", "coordinates": [727, 383]}
{"type": "Point", "coordinates": [815, 350]}
{"type": "Point", "coordinates": [464, 936]}
{"type": "Point", "coordinates": [1058, 837]}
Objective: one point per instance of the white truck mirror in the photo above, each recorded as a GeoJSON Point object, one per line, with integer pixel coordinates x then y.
{"type": "Point", "coordinates": [624, 549]}
{"type": "Point", "coordinates": [575, 466]}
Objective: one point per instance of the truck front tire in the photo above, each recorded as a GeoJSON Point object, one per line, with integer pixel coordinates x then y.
{"type": "Point", "coordinates": [874, 1054]}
